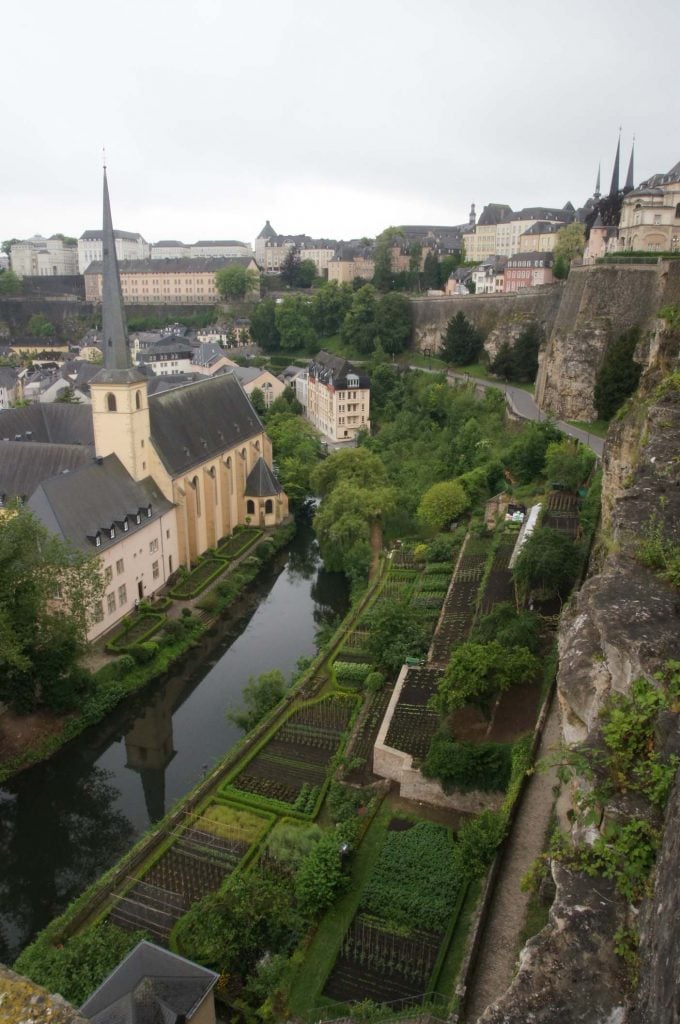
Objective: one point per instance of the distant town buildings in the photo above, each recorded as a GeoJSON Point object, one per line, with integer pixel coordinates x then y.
{"type": "Point", "coordinates": [527, 270]}
{"type": "Point", "coordinates": [500, 230]}
{"type": "Point", "coordinates": [129, 246]}
{"type": "Point", "coordinates": [335, 397]}
{"type": "Point", "coordinates": [173, 250]}
{"type": "Point", "coordinates": [650, 214]}
{"type": "Point", "coordinates": [176, 282]}
{"type": "Point", "coordinates": [44, 257]}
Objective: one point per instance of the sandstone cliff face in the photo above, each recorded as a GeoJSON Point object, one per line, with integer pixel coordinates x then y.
{"type": "Point", "coordinates": [623, 624]}
{"type": "Point", "coordinates": [507, 331]}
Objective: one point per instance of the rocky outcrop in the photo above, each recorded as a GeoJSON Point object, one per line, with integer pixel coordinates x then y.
{"type": "Point", "coordinates": [507, 332]}
{"type": "Point", "coordinates": [23, 1002]}
{"type": "Point", "coordinates": [623, 624]}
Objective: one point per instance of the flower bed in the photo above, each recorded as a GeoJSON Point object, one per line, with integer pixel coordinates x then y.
{"type": "Point", "coordinates": [135, 630]}
{"type": "Point", "coordinates": [199, 578]}
{"type": "Point", "coordinates": [239, 542]}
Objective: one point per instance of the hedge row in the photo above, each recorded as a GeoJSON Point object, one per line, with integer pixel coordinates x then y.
{"type": "Point", "coordinates": [135, 631]}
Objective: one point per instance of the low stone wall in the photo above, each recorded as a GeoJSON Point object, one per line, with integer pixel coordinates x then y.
{"type": "Point", "coordinates": [398, 767]}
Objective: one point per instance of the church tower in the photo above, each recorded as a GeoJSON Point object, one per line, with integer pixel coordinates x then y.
{"type": "Point", "coordinates": [120, 402]}
{"type": "Point", "coordinates": [614, 188]}
{"type": "Point", "coordinates": [630, 177]}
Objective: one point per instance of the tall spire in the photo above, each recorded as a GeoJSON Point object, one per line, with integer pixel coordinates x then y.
{"type": "Point", "coordinates": [114, 328]}
{"type": "Point", "coordinates": [597, 193]}
{"type": "Point", "coordinates": [630, 177]}
{"type": "Point", "coordinates": [614, 190]}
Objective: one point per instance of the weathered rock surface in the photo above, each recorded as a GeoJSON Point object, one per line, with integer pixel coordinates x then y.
{"type": "Point", "coordinates": [507, 331]}
{"type": "Point", "coordinates": [23, 1002]}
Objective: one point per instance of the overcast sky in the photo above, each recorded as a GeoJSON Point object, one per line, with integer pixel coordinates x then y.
{"type": "Point", "coordinates": [331, 119]}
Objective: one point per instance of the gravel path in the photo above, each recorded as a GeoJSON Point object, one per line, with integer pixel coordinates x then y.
{"type": "Point", "coordinates": [499, 948]}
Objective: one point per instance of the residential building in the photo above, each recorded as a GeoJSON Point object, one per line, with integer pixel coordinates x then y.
{"type": "Point", "coordinates": [488, 276]}
{"type": "Point", "coordinates": [203, 249]}
{"type": "Point", "coordinates": [209, 359]}
{"type": "Point", "coordinates": [650, 214]}
{"type": "Point", "coordinates": [252, 377]}
{"type": "Point", "coordinates": [336, 396]}
{"type": "Point", "coordinates": [499, 229]}
{"type": "Point", "coordinates": [175, 282]}
{"type": "Point", "coordinates": [528, 269]}
{"type": "Point", "coordinates": [9, 386]}
{"type": "Point", "coordinates": [129, 246]}
{"type": "Point", "coordinates": [540, 237]}
{"type": "Point", "coordinates": [349, 263]}
{"type": "Point", "coordinates": [153, 985]}
{"type": "Point", "coordinates": [44, 257]}
{"type": "Point", "coordinates": [169, 357]}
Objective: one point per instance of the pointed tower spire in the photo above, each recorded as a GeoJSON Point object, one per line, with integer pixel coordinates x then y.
{"type": "Point", "coordinates": [630, 177]}
{"type": "Point", "coordinates": [613, 191]}
{"type": "Point", "coordinates": [597, 193]}
{"type": "Point", "coordinates": [114, 328]}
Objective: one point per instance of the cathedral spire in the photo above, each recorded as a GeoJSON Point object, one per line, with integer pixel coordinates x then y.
{"type": "Point", "coordinates": [114, 328]}
{"type": "Point", "coordinates": [630, 178]}
{"type": "Point", "coordinates": [597, 193]}
{"type": "Point", "coordinates": [614, 190]}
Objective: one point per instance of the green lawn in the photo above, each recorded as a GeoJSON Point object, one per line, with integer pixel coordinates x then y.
{"type": "Point", "coordinates": [597, 427]}
{"type": "Point", "coordinates": [305, 993]}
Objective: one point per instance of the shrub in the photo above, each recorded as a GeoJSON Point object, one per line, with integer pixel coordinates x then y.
{"type": "Point", "coordinates": [321, 875]}
{"type": "Point", "coordinates": [478, 841]}
{"type": "Point", "coordinates": [351, 671]}
{"type": "Point", "coordinates": [186, 613]}
{"type": "Point", "coordinates": [468, 766]}
{"type": "Point", "coordinates": [144, 653]}
{"type": "Point", "coordinates": [374, 682]}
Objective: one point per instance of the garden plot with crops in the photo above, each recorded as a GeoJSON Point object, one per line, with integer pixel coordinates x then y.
{"type": "Point", "coordinates": [291, 768]}
{"type": "Point", "coordinates": [413, 724]}
{"type": "Point", "coordinates": [239, 542]}
{"type": "Point", "coordinates": [499, 586]}
{"type": "Point", "coordinates": [459, 607]}
{"type": "Point", "coordinates": [201, 857]}
{"type": "Point", "coordinates": [561, 513]}
{"type": "Point", "coordinates": [394, 943]}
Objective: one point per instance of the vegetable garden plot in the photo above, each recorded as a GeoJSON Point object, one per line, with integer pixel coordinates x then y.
{"type": "Point", "coordinates": [411, 729]}
{"type": "Point", "coordinates": [562, 501]}
{"type": "Point", "coordinates": [403, 558]}
{"type": "Point", "coordinates": [562, 513]}
{"type": "Point", "coordinates": [298, 754]}
{"type": "Point", "coordinates": [364, 740]}
{"type": "Point", "coordinates": [149, 907]}
{"type": "Point", "coordinates": [499, 585]}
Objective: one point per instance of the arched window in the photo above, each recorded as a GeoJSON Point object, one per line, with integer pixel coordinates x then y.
{"type": "Point", "coordinates": [677, 212]}
{"type": "Point", "coordinates": [268, 506]}
{"type": "Point", "coordinates": [111, 402]}
{"type": "Point", "coordinates": [250, 507]}
{"type": "Point", "coordinates": [196, 487]}
{"type": "Point", "coordinates": [138, 399]}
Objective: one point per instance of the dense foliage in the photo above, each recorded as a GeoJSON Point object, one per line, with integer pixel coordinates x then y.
{"type": "Point", "coordinates": [619, 374]}
{"type": "Point", "coordinates": [260, 695]}
{"type": "Point", "coordinates": [508, 627]}
{"type": "Point", "coordinates": [468, 766]}
{"type": "Point", "coordinates": [548, 564]}
{"type": "Point", "coordinates": [519, 361]}
{"type": "Point", "coordinates": [416, 878]}
{"type": "Point", "coordinates": [476, 672]}
{"type": "Point", "coordinates": [461, 343]}
{"type": "Point", "coordinates": [395, 634]}
{"type": "Point", "coordinates": [568, 463]}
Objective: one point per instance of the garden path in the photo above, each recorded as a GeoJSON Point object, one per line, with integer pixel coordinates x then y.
{"type": "Point", "coordinates": [499, 947]}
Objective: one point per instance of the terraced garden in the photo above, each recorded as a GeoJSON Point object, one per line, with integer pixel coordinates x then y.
{"type": "Point", "coordinates": [561, 513]}
{"type": "Point", "coordinates": [413, 724]}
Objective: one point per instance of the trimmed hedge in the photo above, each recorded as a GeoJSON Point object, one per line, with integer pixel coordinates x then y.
{"type": "Point", "coordinates": [351, 671]}
{"type": "Point", "coordinates": [469, 766]}
{"type": "Point", "coordinates": [238, 542]}
{"type": "Point", "coordinates": [135, 631]}
{"type": "Point", "coordinates": [199, 578]}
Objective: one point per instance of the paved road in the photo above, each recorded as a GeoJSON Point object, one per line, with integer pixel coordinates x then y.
{"type": "Point", "coordinates": [524, 406]}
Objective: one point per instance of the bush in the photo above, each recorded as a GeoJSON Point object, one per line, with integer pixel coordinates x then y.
{"type": "Point", "coordinates": [509, 627]}
{"type": "Point", "coordinates": [374, 682]}
{"type": "Point", "coordinates": [351, 671]}
{"type": "Point", "coordinates": [321, 876]}
{"type": "Point", "coordinates": [144, 653]}
{"type": "Point", "coordinates": [468, 766]}
{"type": "Point", "coordinates": [478, 841]}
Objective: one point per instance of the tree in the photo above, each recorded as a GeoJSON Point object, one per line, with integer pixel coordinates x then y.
{"type": "Point", "coordinates": [296, 452]}
{"type": "Point", "coordinates": [10, 283]}
{"type": "Point", "coordinates": [47, 594]}
{"type": "Point", "coordinates": [431, 271]}
{"type": "Point", "coordinates": [560, 268]}
{"type": "Point", "coordinates": [503, 365]}
{"type": "Point", "coordinates": [290, 268]}
{"type": "Point", "coordinates": [7, 245]}
{"type": "Point", "coordinates": [263, 327]}
{"type": "Point", "coordinates": [330, 306]}
{"type": "Point", "coordinates": [462, 342]}
{"type": "Point", "coordinates": [414, 260]}
{"type": "Point", "coordinates": [382, 258]}
{"type": "Point", "coordinates": [442, 503]}
{"type": "Point", "coordinates": [525, 353]}
{"type": "Point", "coordinates": [394, 322]}
{"type": "Point", "coordinates": [321, 875]}
{"type": "Point", "coordinates": [476, 672]}
{"type": "Point", "coordinates": [293, 321]}
{"type": "Point", "coordinates": [548, 564]}
{"type": "Point", "coordinates": [509, 627]}
{"type": "Point", "coordinates": [68, 397]}
{"type": "Point", "coordinates": [619, 374]}
{"type": "Point", "coordinates": [348, 525]}
{"type": "Point", "coordinates": [257, 401]}
{"type": "Point", "coordinates": [568, 462]}
{"type": "Point", "coordinates": [40, 327]}
{"type": "Point", "coordinates": [260, 695]}
{"type": "Point", "coordinates": [306, 274]}
{"type": "Point", "coordinates": [359, 327]}
{"type": "Point", "coordinates": [526, 455]}
{"type": "Point", "coordinates": [237, 282]}
{"type": "Point", "coordinates": [570, 242]}
{"type": "Point", "coordinates": [395, 634]}
{"type": "Point", "coordinates": [357, 466]}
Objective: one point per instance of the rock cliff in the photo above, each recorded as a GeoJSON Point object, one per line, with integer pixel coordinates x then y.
{"type": "Point", "coordinates": [623, 624]}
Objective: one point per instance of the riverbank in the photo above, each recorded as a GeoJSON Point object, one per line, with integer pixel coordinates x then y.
{"type": "Point", "coordinates": [27, 740]}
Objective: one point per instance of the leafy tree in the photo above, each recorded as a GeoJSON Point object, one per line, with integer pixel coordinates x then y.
{"type": "Point", "coordinates": [306, 274]}
{"type": "Point", "coordinates": [357, 466]}
{"type": "Point", "coordinates": [525, 353]}
{"type": "Point", "coordinates": [296, 452]}
{"type": "Point", "coordinates": [382, 258]}
{"type": "Point", "coordinates": [348, 525]}
{"type": "Point", "coordinates": [7, 245]}
{"type": "Point", "coordinates": [257, 401]}
{"type": "Point", "coordinates": [395, 634]}
{"type": "Point", "coordinates": [293, 320]}
{"type": "Point", "coordinates": [431, 271]}
{"type": "Point", "coordinates": [568, 463]}
{"type": "Point", "coordinates": [526, 455]}
{"type": "Point", "coordinates": [560, 268]}
{"type": "Point", "coordinates": [462, 342]}
{"type": "Point", "coordinates": [263, 327]}
{"type": "Point", "coordinates": [236, 282]}
{"type": "Point", "coordinates": [290, 268]}
{"type": "Point", "coordinates": [619, 374]}
{"type": "Point", "coordinates": [509, 627]}
{"type": "Point", "coordinates": [476, 672]}
{"type": "Point", "coordinates": [394, 322]}
{"type": "Point", "coordinates": [504, 363]}
{"type": "Point", "coordinates": [261, 694]}
{"type": "Point", "coordinates": [330, 306]}
{"type": "Point", "coordinates": [10, 283]}
{"type": "Point", "coordinates": [68, 397]}
{"type": "Point", "coordinates": [548, 564]}
{"type": "Point", "coordinates": [47, 593]}
{"type": "Point", "coordinates": [570, 242]}
{"type": "Point", "coordinates": [285, 403]}
{"type": "Point", "coordinates": [40, 327]}
{"type": "Point", "coordinates": [442, 503]}
{"type": "Point", "coordinates": [321, 875]}
{"type": "Point", "coordinates": [359, 326]}
{"type": "Point", "coordinates": [447, 265]}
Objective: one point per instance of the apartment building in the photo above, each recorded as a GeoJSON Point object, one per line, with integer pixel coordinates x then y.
{"type": "Point", "coordinates": [44, 257]}
{"type": "Point", "coordinates": [337, 397]}
{"type": "Point", "coordinates": [129, 246]}
{"type": "Point", "coordinates": [204, 249]}
{"type": "Point", "coordinates": [166, 282]}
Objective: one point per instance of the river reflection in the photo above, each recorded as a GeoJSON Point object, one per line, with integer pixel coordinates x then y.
{"type": "Point", "coordinates": [64, 822]}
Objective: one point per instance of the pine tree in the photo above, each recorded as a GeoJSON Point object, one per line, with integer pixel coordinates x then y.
{"type": "Point", "coordinates": [462, 343]}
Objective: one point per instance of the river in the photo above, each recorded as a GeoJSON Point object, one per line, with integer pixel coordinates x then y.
{"type": "Point", "coordinates": [66, 821]}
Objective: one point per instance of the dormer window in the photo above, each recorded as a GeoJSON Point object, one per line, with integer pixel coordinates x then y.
{"type": "Point", "coordinates": [126, 525]}
{"type": "Point", "coordinates": [352, 380]}
{"type": "Point", "coordinates": [148, 512]}
{"type": "Point", "coordinates": [112, 532]}
{"type": "Point", "coordinates": [97, 540]}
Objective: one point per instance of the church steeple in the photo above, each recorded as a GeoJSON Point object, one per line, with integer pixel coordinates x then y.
{"type": "Point", "coordinates": [117, 359]}
{"type": "Point", "coordinates": [614, 190]}
{"type": "Point", "coordinates": [630, 177]}
{"type": "Point", "coordinates": [597, 193]}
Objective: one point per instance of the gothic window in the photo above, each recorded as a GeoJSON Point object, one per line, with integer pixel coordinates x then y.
{"type": "Point", "coordinates": [196, 487]}
{"type": "Point", "coordinates": [268, 506]}
{"type": "Point", "coordinates": [677, 212]}
{"type": "Point", "coordinates": [111, 402]}
{"type": "Point", "coordinates": [138, 399]}
{"type": "Point", "coordinates": [250, 507]}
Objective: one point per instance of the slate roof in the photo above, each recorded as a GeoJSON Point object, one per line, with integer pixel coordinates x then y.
{"type": "Point", "coordinates": [150, 986]}
{"type": "Point", "coordinates": [8, 376]}
{"type": "Point", "coordinates": [194, 423]}
{"type": "Point", "coordinates": [97, 235]}
{"type": "Point", "coordinates": [247, 374]}
{"type": "Point", "coordinates": [535, 259]}
{"type": "Point", "coordinates": [267, 231]}
{"type": "Point", "coordinates": [79, 504]}
{"type": "Point", "coordinates": [494, 213]}
{"type": "Point", "coordinates": [212, 241]}
{"type": "Point", "coordinates": [24, 466]}
{"type": "Point", "coordinates": [207, 352]}
{"type": "Point", "coordinates": [48, 423]}
{"type": "Point", "coordinates": [166, 382]}
{"type": "Point", "coordinates": [262, 482]}
{"type": "Point", "coordinates": [543, 227]}
{"type": "Point", "coordinates": [183, 264]}
{"type": "Point", "coordinates": [329, 368]}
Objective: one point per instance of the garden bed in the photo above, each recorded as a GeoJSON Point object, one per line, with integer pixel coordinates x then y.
{"type": "Point", "coordinates": [198, 579]}
{"type": "Point", "coordinates": [239, 542]}
{"type": "Point", "coordinates": [142, 626]}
